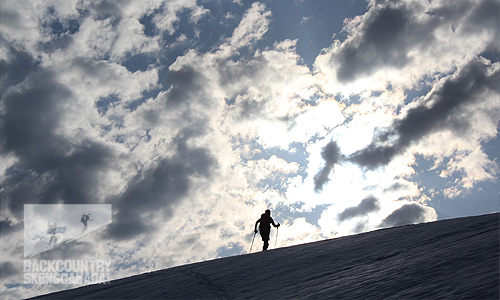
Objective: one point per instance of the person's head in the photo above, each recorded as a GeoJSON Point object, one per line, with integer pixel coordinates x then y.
{"type": "Point", "coordinates": [268, 212]}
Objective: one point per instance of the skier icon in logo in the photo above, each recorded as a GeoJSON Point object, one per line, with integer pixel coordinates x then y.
{"type": "Point", "coordinates": [85, 218]}
{"type": "Point", "coordinates": [52, 230]}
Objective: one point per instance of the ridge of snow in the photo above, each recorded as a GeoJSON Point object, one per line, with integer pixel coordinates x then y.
{"type": "Point", "coordinates": [453, 259]}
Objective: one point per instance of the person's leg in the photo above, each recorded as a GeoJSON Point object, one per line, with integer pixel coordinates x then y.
{"type": "Point", "coordinates": [265, 239]}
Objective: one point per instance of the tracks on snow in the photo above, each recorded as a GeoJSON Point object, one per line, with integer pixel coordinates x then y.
{"type": "Point", "coordinates": [216, 290]}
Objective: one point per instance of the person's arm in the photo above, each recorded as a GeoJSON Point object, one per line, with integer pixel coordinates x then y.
{"type": "Point", "coordinates": [272, 222]}
{"type": "Point", "coordinates": [255, 230]}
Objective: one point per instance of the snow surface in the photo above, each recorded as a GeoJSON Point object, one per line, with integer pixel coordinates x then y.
{"type": "Point", "coordinates": [451, 259]}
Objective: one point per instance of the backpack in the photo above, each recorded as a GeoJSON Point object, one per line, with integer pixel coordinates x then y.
{"type": "Point", "coordinates": [265, 222]}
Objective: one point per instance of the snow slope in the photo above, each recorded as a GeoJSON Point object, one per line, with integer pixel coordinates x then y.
{"type": "Point", "coordinates": [452, 259]}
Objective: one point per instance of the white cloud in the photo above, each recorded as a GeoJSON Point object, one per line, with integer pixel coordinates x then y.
{"type": "Point", "coordinates": [165, 21]}
{"type": "Point", "coordinates": [269, 168]}
{"type": "Point", "coordinates": [131, 40]}
{"type": "Point", "coordinates": [20, 23]}
{"type": "Point", "coordinates": [252, 27]}
{"type": "Point", "coordinates": [296, 232]}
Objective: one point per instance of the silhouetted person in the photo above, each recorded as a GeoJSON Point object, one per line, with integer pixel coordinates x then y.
{"type": "Point", "coordinates": [52, 230]}
{"type": "Point", "coordinates": [265, 227]}
{"type": "Point", "coordinates": [84, 220]}
{"type": "Point", "coordinates": [53, 240]}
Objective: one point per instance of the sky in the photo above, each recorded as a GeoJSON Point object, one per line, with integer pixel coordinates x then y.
{"type": "Point", "coordinates": [192, 117]}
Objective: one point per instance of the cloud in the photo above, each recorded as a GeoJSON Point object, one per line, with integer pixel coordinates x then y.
{"type": "Point", "coordinates": [158, 189]}
{"type": "Point", "coordinates": [97, 79]}
{"type": "Point", "coordinates": [8, 269]}
{"type": "Point", "coordinates": [170, 10]}
{"type": "Point", "coordinates": [297, 231]}
{"type": "Point", "coordinates": [411, 213]}
{"type": "Point", "coordinates": [397, 44]}
{"type": "Point", "coordinates": [186, 85]}
{"type": "Point", "coordinates": [443, 109]}
{"type": "Point", "coordinates": [252, 27]}
{"type": "Point", "coordinates": [16, 66]}
{"type": "Point", "coordinates": [366, 206]}
{"type": "Point", "coordinates": [19, 21]}
{"type": "Point", "coordinates": [269, 169]}
{"type": "Point", "coordinates": [49, 165]}
{"type": "Point", "coordinates": [331, 154]}
{"type": "Point", "coordinates": [384, 28]}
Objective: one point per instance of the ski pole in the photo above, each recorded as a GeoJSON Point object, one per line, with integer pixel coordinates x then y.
{"type": "Point", "coordinates": [252, 242]}
{"type": "Point", "coordinates": [276, 241]}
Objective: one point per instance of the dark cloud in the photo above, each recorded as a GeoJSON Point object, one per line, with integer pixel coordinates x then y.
{"type": "Point", "coordinates": [169, 179]}
{"type": "Point", "coordinates": [397, 186]}
{"type": "Point", "coordinates": [186, 97]}
{"type": "Point", "coordinates": [407, 214]}
{"type": "Point", "coordinates": [445, 108]}
{"type": "Point", "coordinates": [7, 270]}
{"type": "Point", "coordinates": [8, 227]}
{"type": "Point", "coordinates": [31, 115]}
{"type": "Point", "coordinates": [158, 189]}
{"type": "Point", "coordinates": [361, 227]}
{"type": "Point", "coordinates": [15, 70]}
{"type": "Point", "coordinates": [186, 85]}
{"type": "Point", "coordinates": [50, 167]}
{"type": "Point", "coordinates": [374, 156]}
{"type": "Point", "coordinates": [102, 10]}
{"type": "Point", "coordinates": [472, 19]}
{"type": "Point", "coordinates": [485, 15]}
{"type": "Point", "coordinates": [331, 154]}
{"type": "Point", "coordinates": [366, 206]}
{"type": "Point", "coordinates": [391, 30]}
{"type": "Point", "coordinates": [384, 39]}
